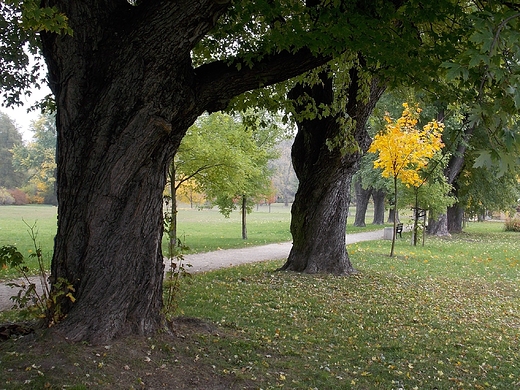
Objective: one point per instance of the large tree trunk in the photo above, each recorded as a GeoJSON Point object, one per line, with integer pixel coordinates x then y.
{"type": "Point", "coordinates": [379, 197]}
{"type": "Point", "coordinates": [362, 199]}
{"type": "Point", "coordinates": [126, 93]}
{"type": "Point", "coordinates": [320, 208]}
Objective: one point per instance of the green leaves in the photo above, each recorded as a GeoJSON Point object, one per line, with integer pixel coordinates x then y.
{"type": "Point", "coordinates": [224, 159]}
{"type": "Point", "coordinates": [36, 18]}
{"type": "Point", "coordinates": [486, 76]}
{"type": "Point", "coordinates": [10, 256]}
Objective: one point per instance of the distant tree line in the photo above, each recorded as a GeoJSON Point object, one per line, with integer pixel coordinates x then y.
{"type": "Point", "coordinates": [27, 170]}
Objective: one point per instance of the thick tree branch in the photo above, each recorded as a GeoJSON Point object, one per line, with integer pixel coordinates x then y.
{"type": "Point", "coordinates": [218, 82]}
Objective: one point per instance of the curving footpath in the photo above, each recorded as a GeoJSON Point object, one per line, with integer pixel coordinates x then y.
{"type": "Point", "coordinates": [209, 261]}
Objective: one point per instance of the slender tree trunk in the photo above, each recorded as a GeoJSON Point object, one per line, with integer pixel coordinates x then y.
{"type": "Point", "coordinates": [416, 217]}
{"type": "Point", "coordinates": [379, 197]}
{"type": "Point", "coordinates": [319, 211]}
{"type": "Point", "coordinates": [244, 216]}
{"type": "Point", "coordinates": [395, 218]}
{"type": "Point", "coordinates": [172, 228]}
{"type": "Point", "coordinates": [362, 199]}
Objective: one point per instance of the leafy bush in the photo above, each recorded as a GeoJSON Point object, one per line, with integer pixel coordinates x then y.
{"type": "Point", "coordinates": [5, 197]}
{"type": "Point", "coordinates": [20, 197]}
{"type": "Point", "coordinates": [513, 224]}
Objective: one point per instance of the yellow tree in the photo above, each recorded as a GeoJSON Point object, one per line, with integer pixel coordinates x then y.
{"type": "Point", "coordinates": [404, 150]}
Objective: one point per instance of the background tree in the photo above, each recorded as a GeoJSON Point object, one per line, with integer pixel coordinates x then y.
{"type": "Point", "coordinates": [10, 138]}
{"type": "Point", "coordinates": [482, 80]}
{"type": "Point", "coordinates": [483, 189]}
{"type": "Point", "coordinates": [429, 198]}
{"type": "Point", "coordinates": [222, 159]}
{"type": "Point", "coordinates": [404, 150]}
{"type": "Point", "coordinates": [38, 160]}
{"type": "Point", "coordinates": [253, 148]}
{"type": "Point", "coordinates": [284, 178]}
{"type": "Point", "coordinates": [118, 133]}
{"type": "Point", "coordinates": [368, 182]}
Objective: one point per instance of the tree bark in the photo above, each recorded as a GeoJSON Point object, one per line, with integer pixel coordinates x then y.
{"type": "Point", "coordinates": [126, 92]}
{"type": "Point", "coordinates": [379, 197]}
{"type": "Point", "coordinates": [320, 208]}
{"type": "Point", "coordinates": [392, 217]}
{"type": "Point", "coordinates": [396, 218]}
{"type": "Point", "coordinates": [439, 226]}
{"type": "Point", "coordinates": [362, 199]}
{"type": "Point", "coordinates": [455, 219]}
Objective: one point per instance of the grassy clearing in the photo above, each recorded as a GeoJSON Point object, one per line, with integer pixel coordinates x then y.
{"type": "Point", "coordinates": [443, 316]}
{"type": "Point", "coordinates": [201, 230]}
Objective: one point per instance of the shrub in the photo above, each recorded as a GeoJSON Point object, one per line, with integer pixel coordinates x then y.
{"type": "Point", "coordinates": [20, 197]}
{"type": "Point", "coordinates": [513, 224]}
{"type": "Point", "coordinates": [5, 197]}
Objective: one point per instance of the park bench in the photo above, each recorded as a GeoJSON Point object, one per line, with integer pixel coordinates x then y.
{"type": "Point", "coordinates": [399, 230]}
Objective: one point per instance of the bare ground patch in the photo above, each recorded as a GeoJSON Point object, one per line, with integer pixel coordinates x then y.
{"type": "Point", "coordinates": [165, 361]}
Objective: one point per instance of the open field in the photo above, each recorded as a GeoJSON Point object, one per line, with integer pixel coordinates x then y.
{"type": "Point", "coordinates": [202, 230]}
{"type": "Point", "coordinates": [442, 316]}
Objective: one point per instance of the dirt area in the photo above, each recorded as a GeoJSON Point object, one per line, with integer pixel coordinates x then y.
{"type": "Point", "coordinates": [166, 361]}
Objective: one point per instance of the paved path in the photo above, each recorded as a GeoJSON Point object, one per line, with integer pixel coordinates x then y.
{"type": "Point", "coordinates": [202, 262]}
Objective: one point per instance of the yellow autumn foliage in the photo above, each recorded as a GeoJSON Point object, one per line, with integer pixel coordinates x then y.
{"type": "Point", "coordinates": [404, 149]}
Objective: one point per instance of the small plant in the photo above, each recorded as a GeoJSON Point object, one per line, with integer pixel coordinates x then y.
{"type": "Point", "coordinates": [41, 304]}
{"type": "Point", "coordinates": [178, 268]}
{"type": "Point", "coordinates": [513, 224]}
{"type": "Point", "coordinates": [172, 283]}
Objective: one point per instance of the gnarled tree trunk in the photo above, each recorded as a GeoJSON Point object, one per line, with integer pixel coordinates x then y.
{"type": "Point", "coordinates": [320, 208]}
{"type": "Point", "coordinates": [126, 92]}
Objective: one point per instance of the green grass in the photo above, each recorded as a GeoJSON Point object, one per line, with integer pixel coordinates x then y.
{"type": "Point", "coordinates": [201, 230]}
{"type": "Point", "coordinates": [442, 316]}
{"type": "Point", "coordinates": [14, 231]}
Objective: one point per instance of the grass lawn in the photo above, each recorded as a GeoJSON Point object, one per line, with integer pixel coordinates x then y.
{"type": "Point", "coordinates": [442, 316]}
{"type": "Point", "coordinates": [201, 230]}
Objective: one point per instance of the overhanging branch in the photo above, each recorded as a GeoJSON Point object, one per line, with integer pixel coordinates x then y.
{"type": "Point", "coordinates": [218, 82]}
